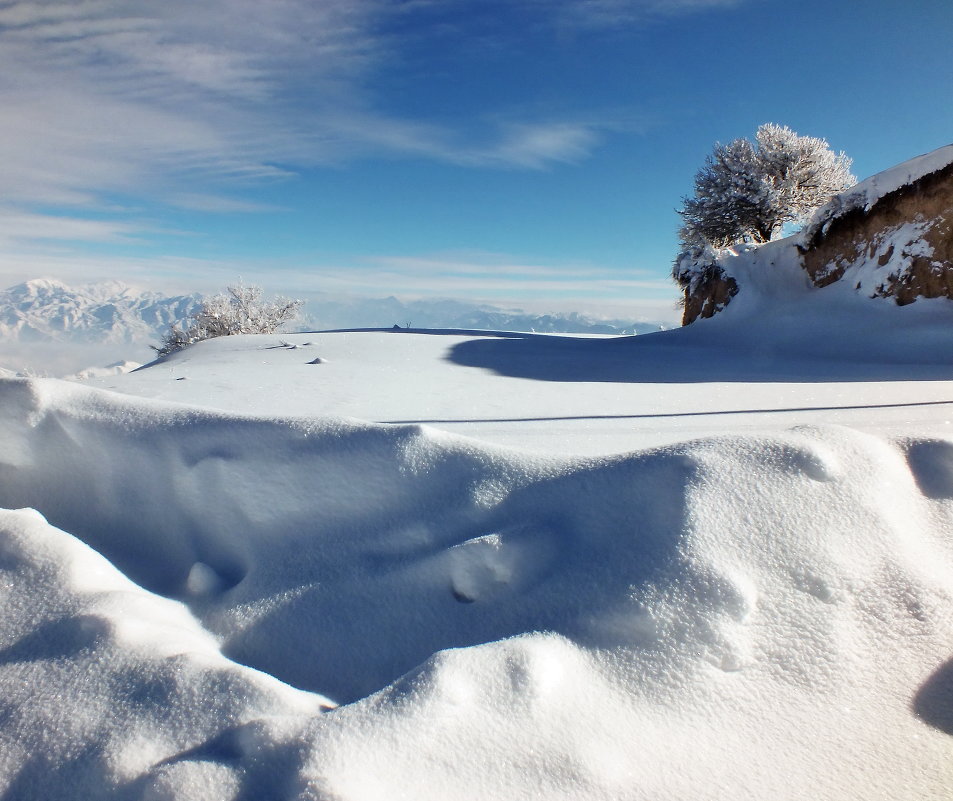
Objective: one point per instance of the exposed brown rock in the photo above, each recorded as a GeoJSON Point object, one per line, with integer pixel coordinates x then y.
{"type": "Point", "coordinates": [709, 292]}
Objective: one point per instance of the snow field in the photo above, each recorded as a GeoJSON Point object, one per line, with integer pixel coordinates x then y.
{"type": "Point", "coordinates": [763, 616]}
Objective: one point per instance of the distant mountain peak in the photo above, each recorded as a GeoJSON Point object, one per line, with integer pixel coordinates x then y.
{"type": "Point", "coordinates": [49, 310]}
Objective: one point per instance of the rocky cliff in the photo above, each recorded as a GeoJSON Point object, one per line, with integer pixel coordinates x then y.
{"type": "Point", "coordinates": [890, 236]}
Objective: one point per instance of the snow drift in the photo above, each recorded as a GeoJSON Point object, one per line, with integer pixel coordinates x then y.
{"type": "Point", "coordinates": [759, 617]}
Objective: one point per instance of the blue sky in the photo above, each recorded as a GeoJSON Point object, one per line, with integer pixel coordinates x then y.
{"type": "Point", "coordinates": [529, 152]}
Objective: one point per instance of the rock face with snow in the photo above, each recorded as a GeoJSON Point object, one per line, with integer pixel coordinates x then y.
{"type": "Point", "coordinates": [708, 289]}
{"type": "Point", "coordinates": [44, 310]}
{"type": "Point", "coordinates": [890, 236]}
{"type": "Point", "coordinates": [905, 242]}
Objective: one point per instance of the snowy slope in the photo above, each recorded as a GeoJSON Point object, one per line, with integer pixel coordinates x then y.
{"type": "Point", "coordinates": [316, 588]}
{"type": "Point", "coordinates": [771, 363]}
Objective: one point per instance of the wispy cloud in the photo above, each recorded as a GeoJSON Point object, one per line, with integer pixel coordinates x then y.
{"type": "Point", "coordinates": [598, 14]}
{"type": "Point", "coordinates": [17, 225]}
{"type": "Point", "coordinates": [186, 102]}
{"type": "Point", "coordinates": [537, 145]}
{"type": "Point", "coordinates": [489, 277]}
{"type": "Point", "coordinates": [198, 201]}
{"type": "Point", "coordinates": [493, 277]}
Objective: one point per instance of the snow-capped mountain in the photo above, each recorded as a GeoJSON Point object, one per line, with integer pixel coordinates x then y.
{"type": "Point", "coordinates": [45, 310]}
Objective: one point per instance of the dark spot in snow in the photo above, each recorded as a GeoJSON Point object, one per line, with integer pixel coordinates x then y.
{"type": "Point", "coordinates": [933, 702]}
{"type": "Point", "coordinates": [931, 463]}
{"type": "Point", "coordinates": [461, 597]}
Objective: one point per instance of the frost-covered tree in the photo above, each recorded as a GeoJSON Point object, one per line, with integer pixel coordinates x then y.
{"type": "Point", "coordinates": [238, 311]}
{"type": "Point", "coordinates": [746, 191]}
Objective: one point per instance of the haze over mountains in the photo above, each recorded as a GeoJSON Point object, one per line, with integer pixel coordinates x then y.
{"type": "Point", "coordinates": [50, 327]}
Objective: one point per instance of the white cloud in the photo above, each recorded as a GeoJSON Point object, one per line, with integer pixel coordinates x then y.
{"type": "Point", "coordinates": [118, 96]}
{"type": "Point", "coordinates": [197, 201]}
{"type": "Point", "coordinates": [490, 276]}
{"type": "Point", "coordinates": [536, 145]}
{"type": "Point", "coordinates": [17, 225]}
{"type": "Point", "coordinates": [176, 98]}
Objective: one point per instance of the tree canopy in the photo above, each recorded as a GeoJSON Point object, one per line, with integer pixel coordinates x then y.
{"type": "Point", "coordinates": [747, 191]}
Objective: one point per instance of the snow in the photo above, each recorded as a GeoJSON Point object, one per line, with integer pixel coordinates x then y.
{"type": "Point", "coordinates": [116, 368]}
{"type": "Point", "coordinates": [707, 563]}
{"type": "Point", "coordinates": [867, 193]}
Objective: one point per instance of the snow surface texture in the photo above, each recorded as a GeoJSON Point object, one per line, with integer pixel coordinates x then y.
{"type": "Point", "coordinates": [300, 605]}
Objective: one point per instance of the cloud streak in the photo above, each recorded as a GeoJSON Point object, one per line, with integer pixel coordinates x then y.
{"type": "Point", "coordinates": [487, 277]}
{"type": "Point", "coordinates": [186, 103]}
{"type": "Point", "coordinates": [601, 14]}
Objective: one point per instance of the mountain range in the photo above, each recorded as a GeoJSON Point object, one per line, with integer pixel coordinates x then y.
{"type": "Point", "coordinates": [49, 311]}
{"type": "Point", "coordinates": [44, 310]}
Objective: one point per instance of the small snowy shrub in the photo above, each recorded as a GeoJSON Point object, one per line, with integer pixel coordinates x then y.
{"type": "Point", "coordinates": [746, 191]}
{"type": "Point", "coordinates": [240, 311]}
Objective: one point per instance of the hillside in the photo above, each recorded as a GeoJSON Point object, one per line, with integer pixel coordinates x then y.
{"type": "Point", "coordinates": [890, 236]}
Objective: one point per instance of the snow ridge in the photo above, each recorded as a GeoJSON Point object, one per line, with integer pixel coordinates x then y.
{"type": "Point", "coordinates": [866, 194]}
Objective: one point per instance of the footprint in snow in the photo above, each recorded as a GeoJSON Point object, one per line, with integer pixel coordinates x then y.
{"type": "Point", "coordinates": [478, 567]}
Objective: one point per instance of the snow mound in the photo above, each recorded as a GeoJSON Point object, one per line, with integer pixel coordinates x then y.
{"type": "Point", "coordinates": [116, 368]}
{"type": "Point", "coordinates": [107, 686]}
{"type": "Point", "coordinates": [754, 616]}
